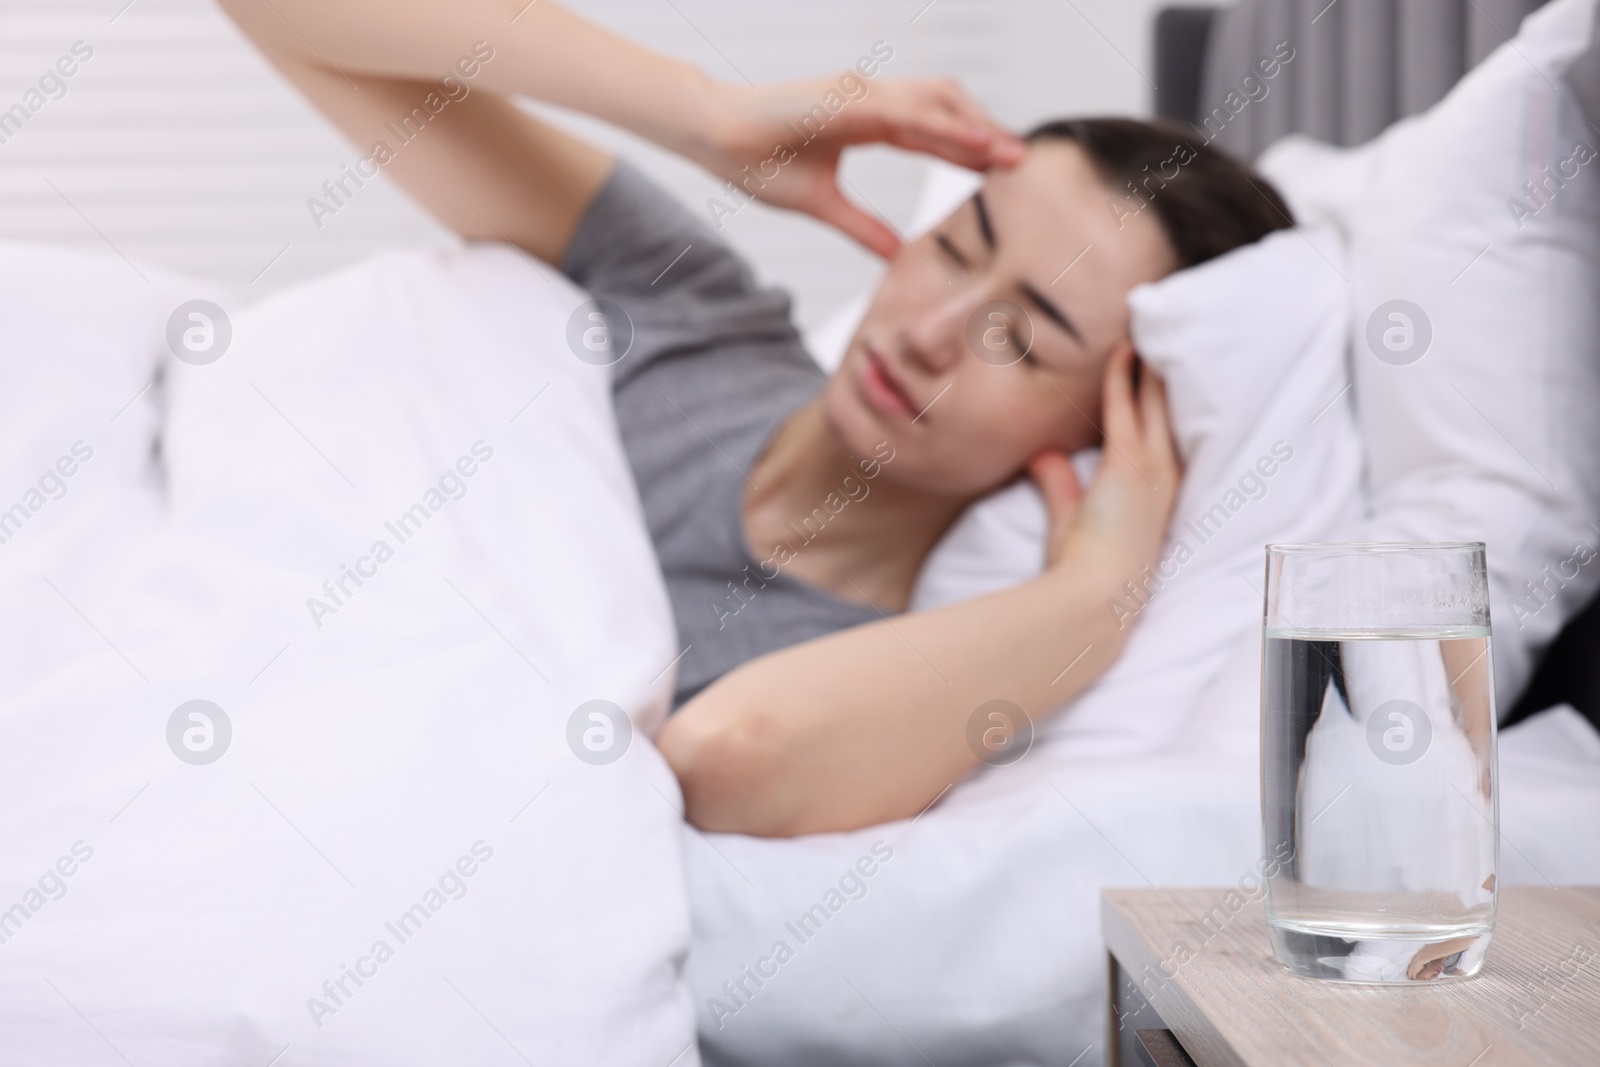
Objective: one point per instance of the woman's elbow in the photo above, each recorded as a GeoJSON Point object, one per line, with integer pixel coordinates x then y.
{"type": "Point", "coordinates": [727, 767]}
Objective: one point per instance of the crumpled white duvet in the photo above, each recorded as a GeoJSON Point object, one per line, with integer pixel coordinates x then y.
{"type": "Point", "coordinates": [397, 859]}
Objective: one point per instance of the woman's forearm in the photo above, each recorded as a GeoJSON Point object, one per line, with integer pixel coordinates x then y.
{"type": "Point", "coordinates": [339, 53]}
{"type": "Point", "coordinates": [541, 51]}
{"type": "Point", "coordinates": [481, 165]}
{"type": "Point", "coordinates": [871, 724]}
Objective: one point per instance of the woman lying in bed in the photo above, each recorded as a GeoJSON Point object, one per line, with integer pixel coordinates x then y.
{"type": "Point", "coordinates": [791, 512]}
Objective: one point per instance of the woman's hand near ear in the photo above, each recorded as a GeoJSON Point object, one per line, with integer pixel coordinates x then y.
{"type": "Point", "coordinates": [860, 726]}
{"type": "Point", "coordinates": [1120, 522]}
{"type": "Point", "coordinates": [782, 144]}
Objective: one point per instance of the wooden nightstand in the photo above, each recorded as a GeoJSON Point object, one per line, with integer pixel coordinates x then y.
{"type": "Point", "coordinates": [1223, 999]}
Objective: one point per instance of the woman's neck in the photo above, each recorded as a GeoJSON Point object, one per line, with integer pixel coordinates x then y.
{"type": "Point", "coordinates": [833, 520]}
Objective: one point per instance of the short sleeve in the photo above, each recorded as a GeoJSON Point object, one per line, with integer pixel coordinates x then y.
{"type": "Point", "coordinates": [682, 288]}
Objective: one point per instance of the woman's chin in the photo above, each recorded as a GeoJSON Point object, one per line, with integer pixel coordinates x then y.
{"type": "Point", "coordinates": [849, 419]}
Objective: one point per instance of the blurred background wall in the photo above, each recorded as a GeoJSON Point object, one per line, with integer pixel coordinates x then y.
{"type": "Point", "coordinates": [176, 144]}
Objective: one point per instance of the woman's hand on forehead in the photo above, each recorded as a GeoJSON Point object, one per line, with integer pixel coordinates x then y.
{"type": "Point", "coordinates": [782, 143]}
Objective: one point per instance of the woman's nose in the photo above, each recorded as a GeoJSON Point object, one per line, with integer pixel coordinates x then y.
{"type": "Point", "coordinates": [935, 337]}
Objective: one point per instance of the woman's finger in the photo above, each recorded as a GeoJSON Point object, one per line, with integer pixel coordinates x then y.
{"type": "Point", "coordinates": [931, 129]}
{"type": "Point", "coordinates": [951, 138]}
{"type": "Point", "coordinates": [830, 206]}
{"type": "Point", "coordinates": [1118, 411]}
{"type": "Point", "coordinates": [1159, 444]}
{"type": "Point", "coordinates": [969, 111]}
{"type": "Point", "coordinates": [941, 120]}
{"type": "Point", "coordinates": [1004, 147]}
{"type": "Point", "coordinates": [1058, 483]}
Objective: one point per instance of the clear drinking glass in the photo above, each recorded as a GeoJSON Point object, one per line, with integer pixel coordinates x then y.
{"type": "Point", "coordinates": [1379, 815]}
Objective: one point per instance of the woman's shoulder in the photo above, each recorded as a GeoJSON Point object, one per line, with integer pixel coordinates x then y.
{"type": "Point", "coordinates": [667, 284]}
{"type": "Point", "coordinates": [637, 239]}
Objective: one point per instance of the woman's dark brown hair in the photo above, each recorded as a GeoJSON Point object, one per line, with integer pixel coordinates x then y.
{"type": "Point", "coordinates": [1207, 202]}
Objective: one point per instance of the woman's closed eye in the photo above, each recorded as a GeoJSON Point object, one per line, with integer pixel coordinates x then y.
{"type": "Point", "coordinates": [1001, 323]}
{"type": "Point", "coordinates": [1001, 319]}
{"type": "Point", "coordinates": [1014, 337]}
{"type": "Point", "coordinates": [948, 247]}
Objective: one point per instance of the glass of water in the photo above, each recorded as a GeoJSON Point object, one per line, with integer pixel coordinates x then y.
{"type": "Point", "coordinates": [1379, 814]}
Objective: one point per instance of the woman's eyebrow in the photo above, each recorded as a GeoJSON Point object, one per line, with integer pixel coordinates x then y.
{"type": "Point", "coordinates": [983, 219]}
{"type": "Point", "coordinates": [1050, 311]}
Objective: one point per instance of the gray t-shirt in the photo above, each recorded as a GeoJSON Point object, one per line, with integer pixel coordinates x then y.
{"type": "Point", "coordinates": [713, 368]}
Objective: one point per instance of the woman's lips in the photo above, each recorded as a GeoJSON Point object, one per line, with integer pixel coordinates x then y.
{"type": "Point", "coordinates": [882, 391]}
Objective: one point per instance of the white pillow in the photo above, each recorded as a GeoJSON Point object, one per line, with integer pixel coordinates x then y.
{"type": "Point", "coordinates": [1491, 430]}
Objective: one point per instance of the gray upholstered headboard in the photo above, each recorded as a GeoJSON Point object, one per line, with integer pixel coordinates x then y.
{"type": "Point", "coordinates": [1357, 66]}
